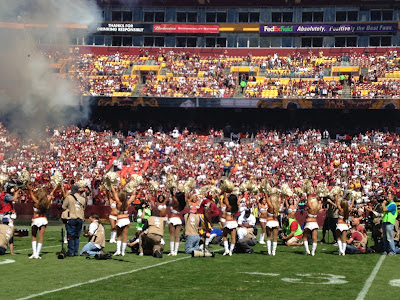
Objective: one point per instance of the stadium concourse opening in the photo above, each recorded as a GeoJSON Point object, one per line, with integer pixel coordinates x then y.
{"type": "Point", "coordinates": [201, 120]}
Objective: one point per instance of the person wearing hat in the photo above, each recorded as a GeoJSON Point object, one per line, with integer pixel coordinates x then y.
{"type": "Point", "coordinates": [75, 205]}
{"type": "Point", "coordinates": [6, 236]}
{"type": "Point", "coordinates": [96, 235]}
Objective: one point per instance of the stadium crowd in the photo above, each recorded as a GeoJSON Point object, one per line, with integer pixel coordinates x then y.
{"type": "Point", "coordinates": [185, 74]}
{"type": "Point", "coordinates": [267, 171]}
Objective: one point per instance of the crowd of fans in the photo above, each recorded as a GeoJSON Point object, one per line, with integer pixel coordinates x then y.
{"type": "Point", "coordinates": [185, 74]}
{"type": "Point", "coordinates": [367, 164]}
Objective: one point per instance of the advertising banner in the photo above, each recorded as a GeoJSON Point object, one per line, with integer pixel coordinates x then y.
{"type": "Point", "coordinates": [124, 28]}
{"type": "Point", "coordinates": [245, 103]}
{"type": "Point", "coordinates": [330, 28]}
{"type": "Point", "coordinates": [185, 28]}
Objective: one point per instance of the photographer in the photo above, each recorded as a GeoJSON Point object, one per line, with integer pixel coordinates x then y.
{"type": "Point", "coordinates": [357, 243]}
{"type": "Point", "coordinates": [74, 204]}
{"type": "Point", "coordinates": [96, 235]}
{"type": "Point", "coordinates": [143, 213]}
{"type": "Point", "coordinates": [293, 232]}
{"type": "Point", "coordinates": [6, 236]}
{"type": "Point", "coordinates": [150, 239]}
{"type": "Point", "coordinates": [330, 219]}
{"type": "Point", "coordinates": [388, 220]}
{"type": "Point", "coordinates": [374, 222]}
{"type": "Point", "coordinates": [245, 233]}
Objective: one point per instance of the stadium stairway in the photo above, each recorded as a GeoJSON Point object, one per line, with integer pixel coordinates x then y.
{"type": "Point", "coordinates": [138, 90]}
{"type": "Point", "coordinates": [346, 93]}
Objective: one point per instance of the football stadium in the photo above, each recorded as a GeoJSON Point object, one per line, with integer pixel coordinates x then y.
{"type": "Point", "coordinates": [203, 149]}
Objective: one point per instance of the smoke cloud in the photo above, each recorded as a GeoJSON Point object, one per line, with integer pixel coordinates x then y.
{"type": "Point", "coordinates": [31, 95]}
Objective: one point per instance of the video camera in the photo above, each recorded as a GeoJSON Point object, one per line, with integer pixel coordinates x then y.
{"type": "Point", "coordinates": [14, 184]}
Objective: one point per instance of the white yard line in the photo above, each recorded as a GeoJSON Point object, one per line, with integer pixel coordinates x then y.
{"type": "Point", "coordinates": [370, 279]}
{"type": "Point", "coordinates": [102, 278]}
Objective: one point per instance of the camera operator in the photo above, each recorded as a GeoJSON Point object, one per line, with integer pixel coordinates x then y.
{"type": "Point", "coordinates": [192, 223]}
{"type": "Point", "coordinates": [150, 239]}
{"type": "Point", "coordinates": [388, 220]}
{"type": "Point", "coordinates": [143, 213]}
{"type": "Point", "coordinates": [6, 236]}
{"type": "Point", "coordinates": [245, 233]}
{"type": "Point", "coordinates": [293, 232]}
{"type": "Point", "coordinates": [96, 234]}
{"type": "Point", "coordinates": [331, 219]}
{"type": "Point", "coordinates": [357, 243]}
{"type": "Point", "coordinates": [74, 204]}
{"type": "Point", "coordinates": [374, 222]}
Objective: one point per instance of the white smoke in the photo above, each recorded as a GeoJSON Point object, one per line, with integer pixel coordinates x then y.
{"type": "Point", "coordinates": [31, 95]}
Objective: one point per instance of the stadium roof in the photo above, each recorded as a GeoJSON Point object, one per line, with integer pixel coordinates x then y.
{"type": "Point", "coordinates": [366, 3]}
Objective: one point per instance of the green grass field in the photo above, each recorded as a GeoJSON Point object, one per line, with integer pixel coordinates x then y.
{"type": "Point", "coordinates": [288, 275]}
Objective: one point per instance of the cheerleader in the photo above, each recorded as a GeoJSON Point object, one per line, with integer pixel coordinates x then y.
{"type": "Point", "coordinates": [222, 220]}
{"type": "Point", "coordinates": [41, 204]}
{"type": "Point", "coordinates": [291, 205]}
{"type": "Point", "coordinates": [112, 217]}
{"type": "Point", "coordinates": [122, 225]}
{"type": "Point", "coordinates": [231, 224]}
{"type": "Point", "coordinates": [342, 227]}
{"type": "Point", "coordinates": [273, 203]}
{"type": "Point", "coordinates": [161, 204]}
{"type": "Point", "coordinates": [262, 210]}
{"type": "Point", "coordinates": [311, 227]}
{"type": "Point", "coordinates": [178, 203]}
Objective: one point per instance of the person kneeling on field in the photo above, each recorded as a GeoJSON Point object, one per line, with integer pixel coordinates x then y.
{"type": "Point", "coordinates": [245, 233]}
{"type": "Point", "coordinates": [150, 239]}
{"type": "Point", "coordinates": [96, 234]}
{"type": "Point", "coordinates": [357, 243]}
{"type": "Point", "coordinates": [293, 232]}
{"type": "Point", "coordinates": [6, 235]}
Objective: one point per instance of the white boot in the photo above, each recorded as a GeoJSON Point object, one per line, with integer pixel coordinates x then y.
{"type": "Point", "coordinates": [306, 247]}
{"type": "Point", "coordinates": [274, 245]}
{"type": "Point", "coordinates": [118, 252]}
{"type": "Point", "coordinates": [171, 249]}
{"type": "Point", "coordinates": [176, 249]}
{"type": "Point", "coordinates": [226, 246]}
{"type": "Point", "coordinates": [38, 249]}
{"type": "Point", "coordinates": [33, 250]}
{"type": "Point", "coordinates": [112, 237]}
{"type": "Point", "coordinates": [269, 247]}
{"type": "Point", "coordinates": [262, 235]}
{"type": "Point", "coordinates": [123, 248]}
{"type": "Point", "coordinates": [340, 246]}
{"type": "Point", "coordinates": [314, 247]}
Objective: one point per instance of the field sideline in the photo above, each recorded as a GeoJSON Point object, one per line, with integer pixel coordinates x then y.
{"type": "Point", "coordinates": [290, 274]}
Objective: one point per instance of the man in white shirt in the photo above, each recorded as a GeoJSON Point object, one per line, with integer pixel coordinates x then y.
{"type": "Point", "coordinates": [246, 237]}
{"type": "Point", "coordinates": [96, 237]}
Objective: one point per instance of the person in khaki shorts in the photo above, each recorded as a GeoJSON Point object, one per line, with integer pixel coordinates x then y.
{"type": "Point", "coordinates": [150, 239]}
{"type": "Point", "coordinates": [6, 235]}
{"type": "Point", "coordinates": [75, 204]}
